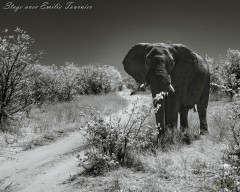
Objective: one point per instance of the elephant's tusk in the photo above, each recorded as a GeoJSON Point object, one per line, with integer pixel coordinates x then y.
{"type": "Point", "coordinates": [195, 108]}
{"type": "Point", "coordinates": [171, 88]}
{"type": "Point", "coordinates": [143, 85]}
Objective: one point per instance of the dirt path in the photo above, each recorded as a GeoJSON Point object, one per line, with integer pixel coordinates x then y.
{"type": "Point", "coordinates": [45, 168]}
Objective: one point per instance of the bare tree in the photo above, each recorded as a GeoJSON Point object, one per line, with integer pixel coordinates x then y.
{"type": "Point", "coordinates": [15, 64]}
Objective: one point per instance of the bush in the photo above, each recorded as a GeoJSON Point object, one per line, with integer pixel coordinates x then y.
{"type": "Point", "coordinates": [225, 73]}
{"type": "Point", "coordinates": [217, 77]}
{"type": "Point", "coordinates": [130, 83]}
{"type": "Point", "coordinates": [232, 67]}
{"type": "Point", "coordinates": [234, 122]}
{"type": "Point", "coordinates": [43, 84]}
{"type": "Point", "coordinates": [118, 139]}
{"type": "Point", "coordinates": [229, 174]}
{"type": "Point", "coordinates": [51, 83]}
{"type": "Point", "coordinates": [96, 79]}
{"type": "Point", "coordinates": [96, 163]}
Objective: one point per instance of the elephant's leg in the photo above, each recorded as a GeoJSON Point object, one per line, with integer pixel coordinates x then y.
{"type": "Point", "coordinates": [202, 110]}
{"type": "Point", "coordinates": [183, 118]}
{"type": "Point", "coordinates": [172, 110]}
{"type": "Point", "coordinates": [203, 121]}
{"type": "Point", "coordinates": [172, 120]}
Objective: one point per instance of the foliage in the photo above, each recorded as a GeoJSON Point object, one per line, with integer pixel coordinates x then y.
{"type": "Point", "coordinates": [117, 139]}
{"type": "Point", "coordinates": [67, 81]}
{"type": "Point", "coordinates": [234, 123]}
{"type": "Point", "coordinates": [96, 163]}
{"type": "Point", "coordinates": [225, 73]}
{"type": "Point", "coordinates": [232, 67]}
{"type": "Point", "coordinates": [15, 64]}
{"type": "Point", "coordinates": [229, 175]}
{"type": "Point", "coordinates": [43, 84]}
{"type": "Point", "coordinates": [51, 83]}
{"type": "Point", "coordinates": [217, 79]}
{"type": "Point", "coordinates": [96, 79]}
{"type": "Point", "coordinates": [130, 83]}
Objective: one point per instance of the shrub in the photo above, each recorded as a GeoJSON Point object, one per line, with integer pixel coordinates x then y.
{"type": "Point", "coordinates": [225, 73]}
{"type": "Point", "coordinates": [232, 67]}
{"type": "Point", "coordinates": [229, 174]}
{"type": "Point", "coordinates": [217, 77]}
{"type": "Point", "coordinates": [67, 81]}
{"type": "Point", "coordinates": [51, 83]}
{"type": "Point", "coordinates": [114, 77]}
{"type": "Point", "coordinates": [130, 83]}
{"type": "Point", "coordinates": [43, 84]}
{"type": "Point", "coordinates": [117, 139]}
{"type": "Point", "coordinates": [234, 122]}
{"type": "Point", "coordinates": [96, 163]}
{"type": "Point", "coordinates": [96, 79]}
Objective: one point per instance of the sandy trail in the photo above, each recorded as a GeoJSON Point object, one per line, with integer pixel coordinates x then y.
{"type": "Point", "coordinates": [43, 168]}
{"type": "Point", "coordinates": [46, 167]}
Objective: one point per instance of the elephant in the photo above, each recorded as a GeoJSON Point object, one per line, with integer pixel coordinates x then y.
{"type": "Point", "coordinates": [178, 71]}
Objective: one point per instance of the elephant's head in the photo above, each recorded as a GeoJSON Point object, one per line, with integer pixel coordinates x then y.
{"type": "Point", "coordinates": [154, 63]}
{"type": "Point", "coordinates": [150, 63]}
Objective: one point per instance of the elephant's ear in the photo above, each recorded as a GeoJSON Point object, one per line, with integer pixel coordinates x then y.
{"type": "Point", "coordinates": [183, 54]}
{"type": "Point", "coordinates": [134, 62]}
{"type": "Point", "coordinates": [185, 62]}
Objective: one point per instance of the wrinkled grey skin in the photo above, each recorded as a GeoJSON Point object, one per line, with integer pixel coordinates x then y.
{"type": "Point", "coordinates": [177, 70]}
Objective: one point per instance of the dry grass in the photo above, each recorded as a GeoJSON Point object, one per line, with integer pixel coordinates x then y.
{"type": "Point", "coordinates": [45, 125]}
{"type": "Point", "coordinates": [188, 169]}
{"type": "Point", "coordinates": [218, 115]}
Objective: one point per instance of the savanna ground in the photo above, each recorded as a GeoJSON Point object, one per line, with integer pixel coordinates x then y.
{"type": "Point", "coordinates": [42, 154]}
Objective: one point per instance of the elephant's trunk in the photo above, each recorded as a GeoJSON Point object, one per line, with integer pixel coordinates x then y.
{"type": "Point", "coordinates": [159, 84]}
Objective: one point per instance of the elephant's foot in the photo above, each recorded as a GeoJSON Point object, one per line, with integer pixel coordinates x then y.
{"type": "Point", "coordinates": [203, 127]}
{"type": "Point", "coordinates": [165, 139]}
{"type": "Point", "coordinates": [186, 139]}
{"type": "Point", "coordinates": [183, 129]}
{"type": "Point", "coordinates": [204, 132]}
